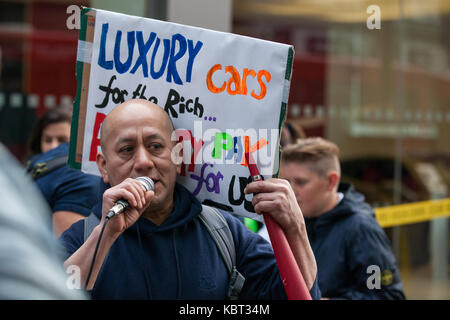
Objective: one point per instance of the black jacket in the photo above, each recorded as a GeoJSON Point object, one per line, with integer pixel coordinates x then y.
{"type": "Point", "coordinates": [350, 248]}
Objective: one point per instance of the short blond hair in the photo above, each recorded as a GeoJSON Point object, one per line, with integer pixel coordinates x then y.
{"type": "Point", "coordinates": [321, 155]}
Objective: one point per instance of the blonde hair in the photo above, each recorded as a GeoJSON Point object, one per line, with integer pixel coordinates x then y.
{"type": "Point", "coordinates": [322, 156]}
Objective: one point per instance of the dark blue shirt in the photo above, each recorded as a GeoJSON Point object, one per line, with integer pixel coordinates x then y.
{"type": "Point", "coordinates": [179, 260]}
{"type": "Point", "coordinates": [346, 241]}
{"type": "Point", "coordinates": [67, 189]}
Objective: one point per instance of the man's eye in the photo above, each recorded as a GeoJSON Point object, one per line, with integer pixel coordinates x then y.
{"type": "Point", "coordinates": [300, 182]}
{"type": "Point", "coordinates": [126, 149]}
{"type": "Point", "coordinates": [156, 146]}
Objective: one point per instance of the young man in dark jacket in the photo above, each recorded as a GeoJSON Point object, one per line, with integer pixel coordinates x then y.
{"type": "Point", "coordinates": [353, 254]}
{"type": "Point", "coordinates": [158, 248]}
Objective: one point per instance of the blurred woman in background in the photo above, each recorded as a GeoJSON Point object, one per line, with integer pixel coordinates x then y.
{"type": "Point", "coordinates": [70, 193]}
{"type": "Point", "coordinates": [52, 129]}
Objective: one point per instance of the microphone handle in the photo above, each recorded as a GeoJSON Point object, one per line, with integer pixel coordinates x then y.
{"type": "Point", "coordinates": [122, 205]}
{"type": "Point", "coordinates": [119, 207]}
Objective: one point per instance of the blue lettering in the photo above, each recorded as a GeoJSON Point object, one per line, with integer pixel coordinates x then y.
{"type": "Point", "coordinates": [143, 49]}
{"type": "Point", "coordinates": [157, 75]}
{"type": "Point", "coordinates": [123, 67]}
{"type": "Point", "coordinates": [237, 150]}
{"type": "Point", "coordinates": [175, 48]}
{"type": "Point", "coordinates": [108, 65]}
{"type": "Point", "coordinates": [172, 67]}
{"type": "Point", "coordinates": [238, 147]}
{"type": "Point", "coordinates": [232, 151]}
{"type": "Point", "coordinates": [193, 51]}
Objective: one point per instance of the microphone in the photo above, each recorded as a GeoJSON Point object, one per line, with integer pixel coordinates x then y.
{"type": "Point", "coordinates": [122, 205]}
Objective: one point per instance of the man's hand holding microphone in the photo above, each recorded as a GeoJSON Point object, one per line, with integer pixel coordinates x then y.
{"type": "Point", "coordinates": [124, 203]}
{"type": "Point", "coordinates": [122, 206]}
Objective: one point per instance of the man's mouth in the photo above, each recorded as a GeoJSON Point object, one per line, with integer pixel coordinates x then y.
{"type": "Point", "coordinates": [155, 181]}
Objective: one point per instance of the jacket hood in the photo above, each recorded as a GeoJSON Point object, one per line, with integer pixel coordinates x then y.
{"type": "Point", "coordinates": [352, 203]}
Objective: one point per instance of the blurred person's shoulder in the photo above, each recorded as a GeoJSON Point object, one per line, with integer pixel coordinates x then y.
{"type": "Point", "coordinates": [30, 249]}
{"type": "Point", "coordinates": [60, 151]}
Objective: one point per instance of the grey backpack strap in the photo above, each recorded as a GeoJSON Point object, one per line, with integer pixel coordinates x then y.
{"type": "Point", "coordinates": [219, 230]}
{"type": "Point", "coordinates": [90, 222]}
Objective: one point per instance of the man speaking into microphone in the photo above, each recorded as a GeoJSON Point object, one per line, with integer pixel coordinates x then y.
{"type": "Point", "coordinates": [161, 247]}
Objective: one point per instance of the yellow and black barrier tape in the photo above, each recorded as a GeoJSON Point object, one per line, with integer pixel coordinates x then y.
{"type": "Point", "coordinates": [412, 212]}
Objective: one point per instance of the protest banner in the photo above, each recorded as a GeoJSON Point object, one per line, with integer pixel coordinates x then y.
{"type": "Point", "coordinates": [225, 94]}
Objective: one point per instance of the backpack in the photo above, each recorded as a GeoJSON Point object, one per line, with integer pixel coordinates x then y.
{"type": "Point", "coordinates": [219, 231]}
{"type": "Point", "coordinates": [42, 168]}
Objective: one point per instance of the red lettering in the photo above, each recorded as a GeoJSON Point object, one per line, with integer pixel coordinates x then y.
{"type": "Point", "coordinates": [95, 143]}
{"type": "Point", "coordinates": [196, 145]}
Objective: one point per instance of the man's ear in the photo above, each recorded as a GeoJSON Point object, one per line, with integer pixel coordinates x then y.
{"type": "Point", "coordinates": [333, 180]}
{"type": "Point", "coordinates": [101, 164]}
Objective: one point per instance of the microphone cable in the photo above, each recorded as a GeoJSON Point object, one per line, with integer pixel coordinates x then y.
{"type": "Point", "coordinates": [147, 282]}
{"type": "Point", "coordinates": [95, 251]}
{"type": "Point", "coordinates": [120, 206]}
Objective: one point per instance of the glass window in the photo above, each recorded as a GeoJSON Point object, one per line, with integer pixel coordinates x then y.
{"type": "Point", "coordinates": [374, 77]}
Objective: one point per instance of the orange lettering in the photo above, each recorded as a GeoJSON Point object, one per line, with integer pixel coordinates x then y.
{"type": "Point", "coordinates": [210, 83]}
{"type": "Point", "coordinates": [234, 85]}
{"type": "Point", "coordinates": [245, 74]}
{"type": "Point", "coordinates": [261, 143]}
{"type": "Point", "coordinates": [235, 78]}
{"type": "Point", "coordinates": [261, 83]}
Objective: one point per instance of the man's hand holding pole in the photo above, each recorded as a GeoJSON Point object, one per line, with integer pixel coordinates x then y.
{"type": "Point", "coordinates": [274, 199]}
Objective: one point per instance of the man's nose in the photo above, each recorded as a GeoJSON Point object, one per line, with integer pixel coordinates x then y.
{"type": "Point", "coordinates": [143, 159]}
